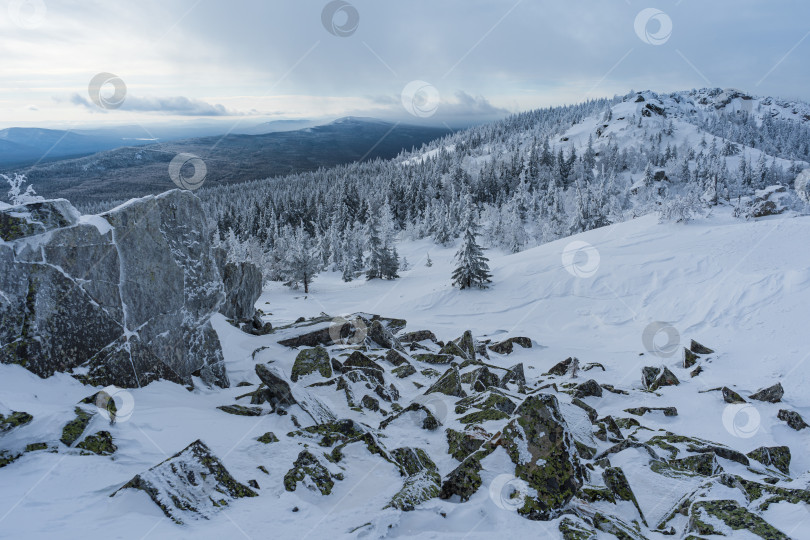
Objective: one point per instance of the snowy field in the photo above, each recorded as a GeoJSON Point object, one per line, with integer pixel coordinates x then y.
{"type": "Point", "coordinates": [741, 288]}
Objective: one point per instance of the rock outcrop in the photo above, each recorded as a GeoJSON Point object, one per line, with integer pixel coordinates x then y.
{"type": "Point", "coordinates": [191, 484]}
{"type": "Point", "coordinates": [243, 286]}
{"type": "Point", "coordinates": [127, 296]}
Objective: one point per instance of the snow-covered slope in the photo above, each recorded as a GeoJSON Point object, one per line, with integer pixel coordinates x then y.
{"type": "Point", "coordinates": [741, 288]}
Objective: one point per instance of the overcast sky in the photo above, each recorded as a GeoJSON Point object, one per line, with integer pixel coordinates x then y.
{"type": "Point", "coordinates": [244, 61]}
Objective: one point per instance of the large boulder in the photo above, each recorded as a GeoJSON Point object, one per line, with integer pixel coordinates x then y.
{"type": "Point", "coordinates": [126, 295]}
{"type": "Point", "coordinates": [243, 286]}
{"type": "Point", "coordinates": [540, 444]}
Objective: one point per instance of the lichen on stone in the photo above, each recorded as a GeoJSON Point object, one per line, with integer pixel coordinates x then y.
{"type": "Point", "coordinates": [100, 443]}
{"type": "Point", "coordinates": [73, 430]}
{"type": "Point", "coordinates": [309, 361]}
{"type": "Point", "coordinates": [307, 469]}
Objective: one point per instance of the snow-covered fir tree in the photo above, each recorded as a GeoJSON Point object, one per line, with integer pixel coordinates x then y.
{"type": "Point", "coordinates": [473, 268]}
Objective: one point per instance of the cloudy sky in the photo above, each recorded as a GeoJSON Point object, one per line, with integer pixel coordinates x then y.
{"type": "Point", "coordinates": [241, 62]}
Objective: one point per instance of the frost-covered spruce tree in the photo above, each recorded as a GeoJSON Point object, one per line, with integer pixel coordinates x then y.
{"type": "Point", "coordinates": [390, 263]}
{"type": "Point", "coordinates": [382, 261]}
{"type": "Point", "coordinates": [472, 269]}
{"type": "Point", "coordinates": [303, 262]}
{"type": "Point", "coordinates": [376, 250]}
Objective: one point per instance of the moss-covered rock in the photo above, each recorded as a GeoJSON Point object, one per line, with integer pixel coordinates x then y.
{"type": "Point", "coordinates": [100, 443]}
{"type": "Point", "coordinates": [492, 399]}
{"type": "Point", "coordinates": [13, 420]}
{"type": "Point", "coordinates": [776, 456]}
{"type": "Point", "coordinates": [654, 378]}
{"type": "Point", "coordinates": [588, 388]}
{"type": "Point", "coordinates": [730, 396]}
{"type": "Point", "coordinates": [616, 481]}
{"type": "Point", "coordinates": [418, 335]}
{"type": "Point", "coordinates": [627, 423]}
{"type": "Point", "coordinates": [507, 346]}
{"type": "Point", "coordinates": [331, 433]}
{"type": "Point", "coordinates": [429, 422]}
{"type": "Point", "coordinates": [572, 530]}
{"type": "Point", "coordinates": [733, 516]}
{"type": "Point", "coordinates": [617, 527]}
{"type": "Point", "coordinates": [641, 411]}
{"type": "Point", "coordinates": [765, 495]}
{"type": "Point", "coordinates": [452, 348]}
{"type": "Point", "coordinates": [793, 419]}
{"type": "Point", "coordinates": [569, 366]}
{"type": "Point", "coordinates": [697, 348]}
{"type": "Point", "coordinates": [595, 494]}
{"type": "Point", "coordinates": [381, 335]}
{"type": "Point", "coordinates": [7, 458]}
{"type": "Point", "coordinates": [448, 384]}
{"type": "Point", "coordinates": [772, 394]}
{"type": "Point", "coordinates": [479, 417]}
{"type": "Point", "coordinates": [431, 358]}
{"type": "Point", "coordinates": [370, 403]}
{"type": "Point", "coordinates": [514, 375]}
{"type": "Point", "coordinates": [698, 465]}
{"type": "Point", "coordinates": [464, 480]}
{"type": "Point", "coordinates": [309, 361]}
{"type": "Point", "coordinates": [480, 379]}
{"type": "Point", "coordinates": [608, 430]}
{"type": "Point", "coordinates": [422, 479]}
{"type": "Point", "coordinates": [461, 444]}
{"type": "Point", "coordinates": [74, 429]}
{"type": "Point", "coordinates": [544, 453]}
{"type": "Point", "coordinates": [405, 370]}
{"type": "Point", "coordinates": [689, 358]}
{"type": "Point", "coordinates": [359, 361]}
{"type": "Point", "coordinates": [592, 413]}
{"type": "Point", "coordinates": [268, 438]}
{"type": "Point", "coordinates": [307, 469]}
{"type": "Point", "coordinates": [35, 447]}
{"type": "Point", "coordinates": [395, 357]}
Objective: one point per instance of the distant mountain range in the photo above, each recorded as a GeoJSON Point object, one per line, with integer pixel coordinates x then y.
{"type": "Point", "coordinates": [25, 146]}
{"type": "Point", "coordinates": [141, 167]}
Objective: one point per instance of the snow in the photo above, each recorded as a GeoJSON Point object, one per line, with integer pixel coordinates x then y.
{"type": "Point", "coordinates": [739, 287]}
{"type": "Point", "coordinates": [98, 222]}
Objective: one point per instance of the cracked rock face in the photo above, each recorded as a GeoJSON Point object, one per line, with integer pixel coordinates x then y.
{"type": "Point", "coordinates": [126, 296]}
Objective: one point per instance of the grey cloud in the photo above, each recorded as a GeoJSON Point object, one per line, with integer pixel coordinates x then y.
{"type": "Point", "coordinates": [178, 105]}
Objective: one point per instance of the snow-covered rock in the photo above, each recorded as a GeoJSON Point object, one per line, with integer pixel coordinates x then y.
{"type": "Point", "coordinates": [124, 299]}
{"type": "Point", "coordinates": [192, 484]}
